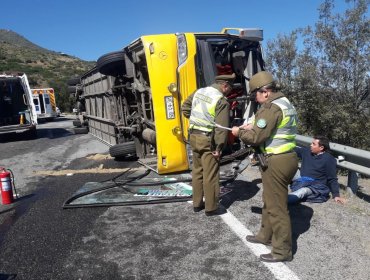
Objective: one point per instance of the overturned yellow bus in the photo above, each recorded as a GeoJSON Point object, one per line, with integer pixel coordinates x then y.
{"type": "Point", "coordinates": [131, 100]}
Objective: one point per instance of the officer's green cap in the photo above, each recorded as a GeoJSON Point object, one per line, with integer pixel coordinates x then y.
{"type": "Point", "coordinates": [226, 78]}
{"type": "Point", "coordinates": [259, 80]}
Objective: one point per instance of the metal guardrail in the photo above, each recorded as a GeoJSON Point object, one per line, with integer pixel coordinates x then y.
{"type": "Point", "coordinates": [356, 161]}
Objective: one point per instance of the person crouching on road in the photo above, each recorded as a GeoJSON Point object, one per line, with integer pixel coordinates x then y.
{"type": "Point", "coordinates": [274, 132]}
{"type": "Point", "coordinates": [205, 108]}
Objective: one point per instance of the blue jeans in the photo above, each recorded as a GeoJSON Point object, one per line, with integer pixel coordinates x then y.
{"type": "Point", "coordinates": [298, 195]}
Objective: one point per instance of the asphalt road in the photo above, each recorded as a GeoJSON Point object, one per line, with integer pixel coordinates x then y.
{"type": "Point", "coordinates": [41, 240]}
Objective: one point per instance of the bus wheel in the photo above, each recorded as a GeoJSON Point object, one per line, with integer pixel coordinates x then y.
{"type": "Point", "coordinates": [112, 64]}
{"type": "Point", "coordinates": [81, 130]}
{"type": "Point", "coordinates": [122, 149]}
{"type": "Point", "coordinates": [73, 81]}
{"type": "Point", "coordinates": [71, 89]}
{"type": "Point", "coordinates": [76, 123]}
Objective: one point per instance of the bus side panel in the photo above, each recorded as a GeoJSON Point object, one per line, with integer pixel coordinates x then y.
{"type": "Point", "coordinates": [161, 55]}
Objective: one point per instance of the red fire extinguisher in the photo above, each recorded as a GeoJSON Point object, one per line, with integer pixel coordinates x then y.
{"type": "Point", "coordinates": [6, 186]}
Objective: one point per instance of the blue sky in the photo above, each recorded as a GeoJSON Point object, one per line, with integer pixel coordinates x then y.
{"type": "Point", "coordinates": [88, 28]}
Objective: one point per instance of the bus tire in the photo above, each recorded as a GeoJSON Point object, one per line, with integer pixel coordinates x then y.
{"type": "Point", "coordinates": [80, 106]}
{"type": "Point", "coordinates": [81, 130]}
{"type": "Point", "coordinates": [71, 89]}
{"type": "Point", "coordinates": [73, 81]}
{"type": "Point", "coordinates": [112, 64]}
{"type": "Point", "coordinates": [122, 149]}
{"type": "Point", "coordinates": [77, 123]}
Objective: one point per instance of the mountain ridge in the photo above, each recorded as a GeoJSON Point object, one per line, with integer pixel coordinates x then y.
{"type": "Point", "coordinates": [13, 38]}
{"type": "Point", "coordinates": [43, 67]}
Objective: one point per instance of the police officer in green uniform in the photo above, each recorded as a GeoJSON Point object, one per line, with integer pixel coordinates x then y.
{"type": "Point", "coordinates": [274, 133]}
{"type": "Point", "coordinates": [207, 108]}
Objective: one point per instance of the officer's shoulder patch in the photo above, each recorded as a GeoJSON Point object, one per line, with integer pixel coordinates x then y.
{"type": "Point", "coordinates": [261, 123]}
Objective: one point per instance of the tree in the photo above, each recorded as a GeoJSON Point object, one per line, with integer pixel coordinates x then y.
{"type": "Point", "coordinates": [328, 80]}
{"type": "Point", "coordinates": [282, 58]}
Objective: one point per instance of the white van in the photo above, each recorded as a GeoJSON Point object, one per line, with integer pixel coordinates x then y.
{"type": "Point", "coordinates": [17, 110]}
{"type": "Point", "coordinates": [45, 104]}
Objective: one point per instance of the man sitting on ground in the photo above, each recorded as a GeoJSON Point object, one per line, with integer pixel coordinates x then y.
{"type": "Point", "coordinates": [318, 174]}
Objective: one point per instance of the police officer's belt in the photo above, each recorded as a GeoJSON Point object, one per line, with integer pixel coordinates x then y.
{"type": "Point", "coordinates": [197, 131]}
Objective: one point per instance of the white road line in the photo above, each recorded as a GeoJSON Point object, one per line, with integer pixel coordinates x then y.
{"type": "Point", "coordinates": [279, 270]}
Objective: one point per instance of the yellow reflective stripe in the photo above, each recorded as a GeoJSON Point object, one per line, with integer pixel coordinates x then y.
{"type": "Point", "coordinates": [281, 149]}
{"type": "Point", "coordinates": [284, 139]}
{"type": "Point", "coordinates": [284, 122]}
{"type": "Point", "coordinates": [202, 128]}
{"type": "Point", "coordinates": [285, 136]}
{"type": "Point", "coordinates": [212, 109]}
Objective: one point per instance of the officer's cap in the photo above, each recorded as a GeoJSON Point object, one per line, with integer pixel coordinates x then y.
{"type": "Point", "coordinates": [226, 78]}
{"type": "Point", "coordinates": [260, 80]}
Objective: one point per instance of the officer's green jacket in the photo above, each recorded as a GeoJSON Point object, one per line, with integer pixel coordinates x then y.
{"type": "Point", "coordinates": [221, 118]}
{"type": "Point", "coordinates": [272, 115]}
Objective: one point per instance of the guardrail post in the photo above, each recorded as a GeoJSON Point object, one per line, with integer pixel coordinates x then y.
{"type": "Point", "coordinates": [352, 182]}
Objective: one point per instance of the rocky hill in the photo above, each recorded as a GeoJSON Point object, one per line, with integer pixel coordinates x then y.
{"type": "Point", "coordinates": [44, 68]}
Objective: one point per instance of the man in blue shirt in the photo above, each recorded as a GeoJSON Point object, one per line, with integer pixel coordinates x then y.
{"type": "Point", "coordinates": [318, 174]}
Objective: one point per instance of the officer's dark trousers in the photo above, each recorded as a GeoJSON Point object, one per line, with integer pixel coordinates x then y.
{"type": "Point", "coordinates": [275, 224]}
{"type": "Point", "coordinates": [205, 173]}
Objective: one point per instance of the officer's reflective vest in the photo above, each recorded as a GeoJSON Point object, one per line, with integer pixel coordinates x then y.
{"type": "Point", "coordinates": [284, 138]}
{"type": "Point", "coordinates": [203, 109]}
